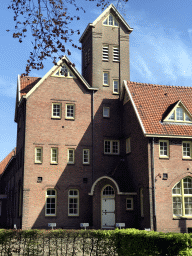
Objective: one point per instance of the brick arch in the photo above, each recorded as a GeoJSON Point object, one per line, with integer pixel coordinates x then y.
{"type": "Point", "coordinates": [101, 178]}
{"type": "Point", "coordinates": [179, 177]}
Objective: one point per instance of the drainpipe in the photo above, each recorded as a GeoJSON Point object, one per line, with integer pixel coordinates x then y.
{"type": "Point", "coordinates": [92, 120]}
{"type": "Point", "coordinates": [153, 184]}
{"type": "Point", "coordinates": [119, 61]}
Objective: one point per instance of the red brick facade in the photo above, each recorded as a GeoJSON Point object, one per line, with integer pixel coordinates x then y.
{"type": "Point", "coordinates": [88, 152]}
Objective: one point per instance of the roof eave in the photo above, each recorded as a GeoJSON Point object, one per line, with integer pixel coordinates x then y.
{"type": "Point", "coordinates": [151, 135]}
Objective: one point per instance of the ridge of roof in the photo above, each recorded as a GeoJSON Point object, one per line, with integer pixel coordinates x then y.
{"type": "Point", "coordinates": [159, 85]}
{"type": "Point", "coordinates": [111, 6]}
{"type": "Point", "coordinates": [6, 160]}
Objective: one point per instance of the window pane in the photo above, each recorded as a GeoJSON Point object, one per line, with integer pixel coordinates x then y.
{"type": "Point", "coordinates": [186, 149]}
{"type": "Point", "coordinates": [56, 110]}
{"type": "Point", "coordinates": [177, 206]}
{"type": "Point", "coordinates": [85, 155]}
{"type": "Point", "coordinates": [105, 22]}
{"type": "Point", "coordinates": [71, 155]}
{"type": "Point", "coordinates": [108, 191]}
{"type": "Point", "coordinates": [64, 71]}
{"type": "Point", "coordinates": [116, 86]}
{"type": "Point", "coordinates": [129, 206]}
{"type": "Point", "coordinates": [163, 148]}
{"type": "Point", "coordinates": [172, 117]}
{"type": "Point", "coordinates": [105, 78]}
{"type": "Point", "coordinates": [187, 118]}
{"type": "Point", "coordinates": [70, 111]}
{"type": "Point", "coordinates": [187, 183]}
{"type": "Point", "coordinates": [107, 147]}
{"type": "Point", "coordinates": [115, 147]}
{"type": "Point", "coordinates": [188, 205]}
{"type": "Point", "coordinates": [105, 112]}
{"type": "Point", "coordinates": [177, 189]}
{"type": "Point", "coordinates": [179, 114]}
{"type": "Point", "coordinates": [110, 20]}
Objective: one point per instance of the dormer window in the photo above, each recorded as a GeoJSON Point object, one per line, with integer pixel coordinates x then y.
{"type": "Point", "coordinates": [63, 71]}
{"type": "Point", "coordinates": [179, 114]}
{"type": "Point", "coordinates": [110, 21]}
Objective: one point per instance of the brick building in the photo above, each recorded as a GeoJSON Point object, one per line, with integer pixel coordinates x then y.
{"type": "Point", "coordinates": [96, 148]}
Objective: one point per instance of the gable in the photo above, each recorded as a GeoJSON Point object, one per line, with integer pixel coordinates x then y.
{"type": "Point", "coordinates": [64, 71]}
{"type": "Point", "coordinates": [179, 114]}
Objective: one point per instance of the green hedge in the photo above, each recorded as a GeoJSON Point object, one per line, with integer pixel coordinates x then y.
{"type": "Point", "coordinates": [94, 242]}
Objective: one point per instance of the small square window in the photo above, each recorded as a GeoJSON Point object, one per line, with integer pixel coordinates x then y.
{"type": "Point", "coordinates": [70, 111]}
{"type": "Point", "coordinates": [71, 156]}
{"type": "Point", "coordinates": [86, 156]}
{"type": "Point", "coordinates": [106, 78]}
{"type": "Point", "coordinates": [129, 203]}
{"type": "Point", "coordinates": [54, 155]}
{"type": "Point", "coordinates": [106, 111]}
{"type": "Point", "coordinates": [187, 149]}
{"type": "Point", "coordinates": [38, 155]}
{"type": "Point", "coordinates": [164, 149]}
{"type": "Point", "coordinates": [128, 145]}
{"type": "Point", "coordinates": [116, 86]}
{"type": "Point", "coordinates": [56, 110]}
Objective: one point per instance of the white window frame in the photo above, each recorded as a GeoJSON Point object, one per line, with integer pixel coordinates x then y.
{"type": "Point", "coordinates": [108, 114]}
{"type": "Point", "coordinates": [68, 156]}
{"type": "Point", "coordinates": [38, 161]}
{"type": "Point", "coordinates": [105, 56]}
{"type": "Point", "coordinates": [54, 116]}
{"type": "Point", "coordinates": [55, 161]}
{"type": "Point", "coordinates": [73, 197]}
{"type": "Point", "coordinates": [190, 146]}
{"type": "Point", "coordinates": [116, 53]}
{"type": "Point", "coordinates": [68, 73]}
{"type": "Point", "coordinates": [163, 149]}
{"type": "Point", "coordinates": [51, 196]}
{"type": "Point", "coordinates": [111, 147]}
{"type": "Point", "coordinates": [86, 155]}
{"type": "Point", "coordinates": [114, 89]}
{"type": "Point", "coordinates": [182, 195]}
{"type": "Point", "coordinates": [131, 208]}
{"type": "Point", "coordinates": [106, 21]}
{"type": "Point", "coordinates": [66, 112]}
{"type": "Point", "coordinates": [128, 145]}
{"type": "Point", "coordinates": [172, 116]}
{"type": "Point", "coordinates": [104, 83]}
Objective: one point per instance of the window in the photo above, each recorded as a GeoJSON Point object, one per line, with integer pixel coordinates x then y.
{"type": "Point", "coordinates": [106, 111]}
{"type": "Point", "coordinates": [56, 110]}
{"type": "Point", "coordinates": [129, 203]}
{"type": "Point", "coordinates": [164, 149]}
{"type": "Point", "coordinates": [50, 205]}
{"type": "Point", "coordinates": [71, 156]}
{"type": "Point", "coordinates": [106, 53]}
{"type": "Point", "coordinates": [128, 145]}
{"type": "Point", "coordinates": [54, 155]}
{"type": "Point", "coordinates": [108, 191]}
{"type": "Point", "coordinates": [110, 21]}
{"type": "Point", "coordinates": [86, 156]}
{"type": "Point", "coordinates": [70, 111]}
{"type": "Point", "coordinates": [116, 53]}
{"type": "Point", "coordinates": [187, 149]}
{"type": "Point", "coordinates": [106, 78]}
{"type": "Point", "coordinates": [179, 114]}
{"type": "Point", "coordinates": [63, 71]}
{"type": "Point", "coordinates": [111, 147]}
{"type": "Point", "coordinates": [116, 86]}
{"type": "Point", "coordinates": [182, 198]}
{"type": "Point", "coordinates": [73, 202]}
{"type": "Point", "coordinates": [38, 155]}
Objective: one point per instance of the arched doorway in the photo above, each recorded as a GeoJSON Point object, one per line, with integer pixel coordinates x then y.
{"type": "Point", "coordinates": [107, 207]}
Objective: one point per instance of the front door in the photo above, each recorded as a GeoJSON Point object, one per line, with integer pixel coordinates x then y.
{"type": "Point", "coordinates": [108, 208]}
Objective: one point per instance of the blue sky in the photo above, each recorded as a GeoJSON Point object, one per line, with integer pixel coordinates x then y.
{"type": "Point", "coordinates": [160, 51]}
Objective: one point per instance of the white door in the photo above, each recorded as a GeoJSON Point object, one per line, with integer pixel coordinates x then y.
{"type": "Point", "coordinates": [108, 209]}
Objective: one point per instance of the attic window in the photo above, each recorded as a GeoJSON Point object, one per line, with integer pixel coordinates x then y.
{"type": "Point", "coordinates": [63, 72]}
{"type": "Point", "coordinates": [179, 114]}
{"type": "Point", "coordinates": [110, 21]}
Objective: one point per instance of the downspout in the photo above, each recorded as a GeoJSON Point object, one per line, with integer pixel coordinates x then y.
{"type": "Point", "coordinates": [153, 184]}
{"type": "Point", "coordinates": [119, 61]}
{"type": "Point", "coordinates": [92, 120]}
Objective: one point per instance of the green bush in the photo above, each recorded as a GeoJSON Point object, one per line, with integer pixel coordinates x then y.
{"type": "Point", "coordinates": [123, 242]}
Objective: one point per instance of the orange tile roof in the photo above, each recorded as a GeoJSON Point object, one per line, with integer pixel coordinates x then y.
{"type": "Point", "coordinates": [27, 83]}
{"type": "Point", "coordinates": [6, 160]}
{"type": "Point", "coordinates": [152, 102]}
